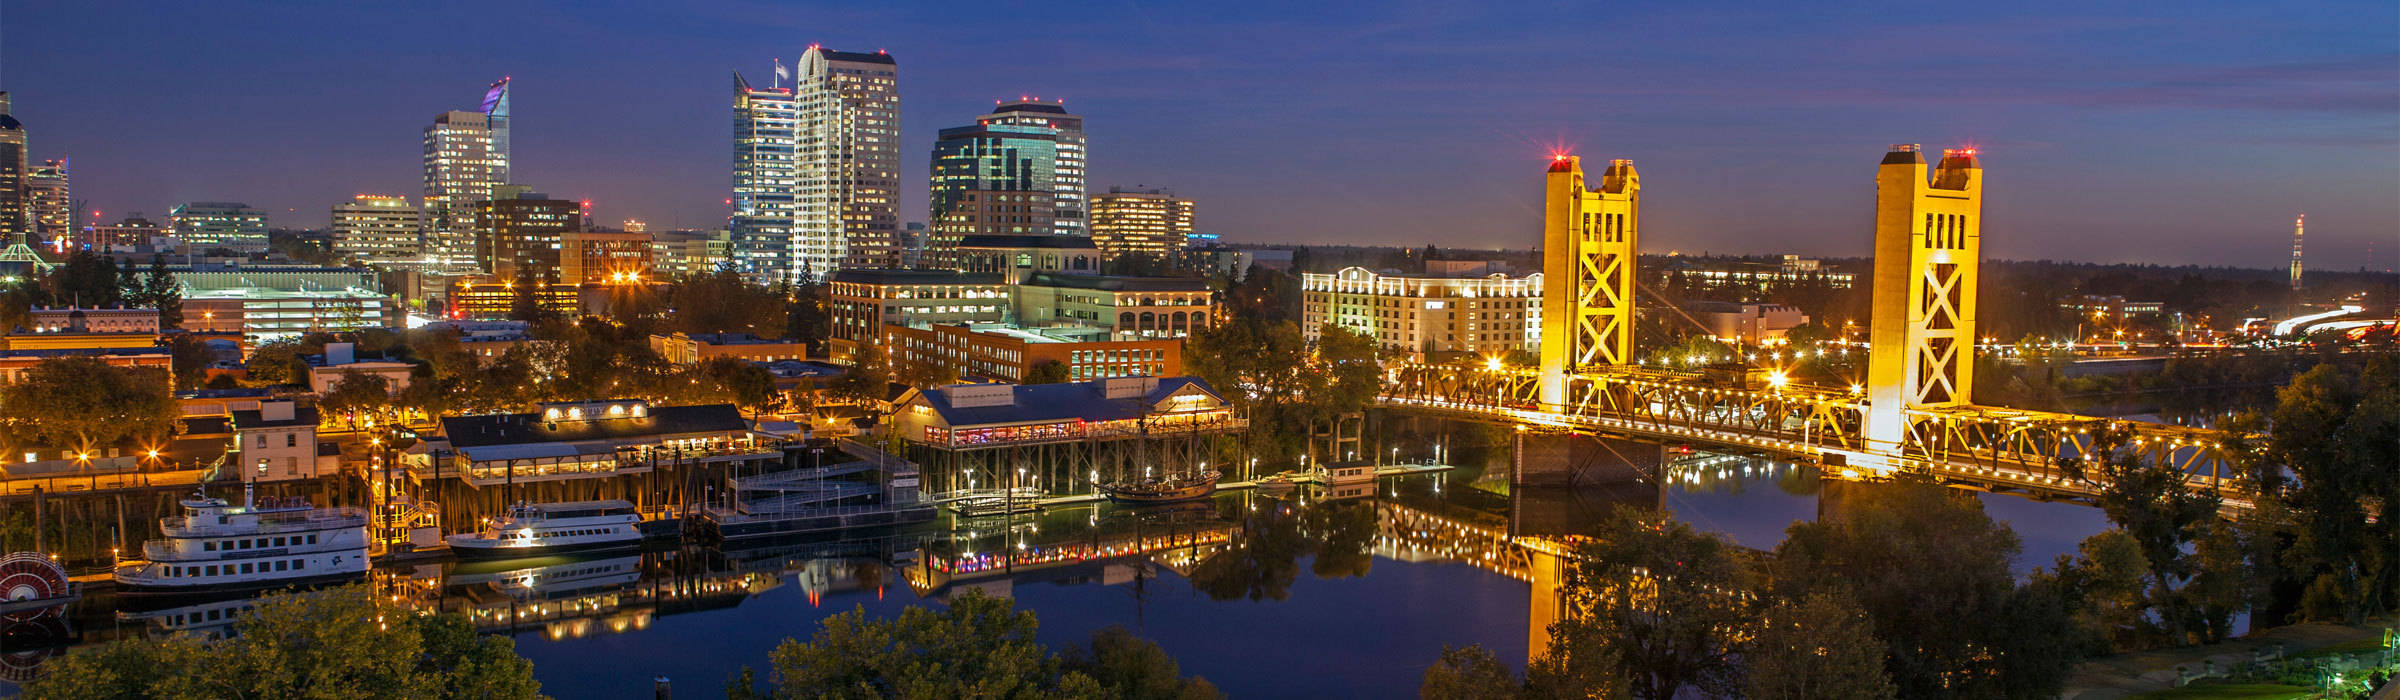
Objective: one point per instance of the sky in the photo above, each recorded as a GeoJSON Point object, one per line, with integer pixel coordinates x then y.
{"type": "Point", "coordinates": [2174, 133]}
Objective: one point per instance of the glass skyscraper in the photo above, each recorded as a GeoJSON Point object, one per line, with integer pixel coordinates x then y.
{"type": "Point", "coordinates": [1069, 210]}
{"type": "Point", "coordinates": [817, 168]}
{"type": "Point", "coordinates": [991, 178]}
{"type": "Point", "coordinates": [466, 157]}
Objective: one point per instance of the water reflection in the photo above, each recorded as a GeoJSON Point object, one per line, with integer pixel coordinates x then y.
{"type": "Point", "coordinates": [1211, 580]}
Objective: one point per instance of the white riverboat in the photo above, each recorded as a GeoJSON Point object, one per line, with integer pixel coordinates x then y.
{"type": "Point", "coordinates": [539, 529]}
{"type": "Point", "coordinates": [217, 546]}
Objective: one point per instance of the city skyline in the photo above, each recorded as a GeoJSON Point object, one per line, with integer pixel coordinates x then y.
{"type": "Point", "coordinates": [2193, 139]}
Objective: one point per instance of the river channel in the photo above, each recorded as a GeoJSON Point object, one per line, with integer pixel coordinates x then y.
{"type": "Point", "coordinates": [1286, 595]}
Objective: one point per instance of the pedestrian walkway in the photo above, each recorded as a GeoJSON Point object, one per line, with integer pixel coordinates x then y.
{"type": "Point", "coordinates": [2129, 675]}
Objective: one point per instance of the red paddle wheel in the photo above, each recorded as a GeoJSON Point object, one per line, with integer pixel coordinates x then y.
{"type": "Point", "coordinates": [31, 576]}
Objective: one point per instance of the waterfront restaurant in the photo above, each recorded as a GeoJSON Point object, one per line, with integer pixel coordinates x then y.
{"type": "Point", "coordinates": [592, 439]}
{"type": "Point", "coordinates": [972, 416]}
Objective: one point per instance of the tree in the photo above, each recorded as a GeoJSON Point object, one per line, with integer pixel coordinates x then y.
{"type": "Point", "coordinates": [2152, 504]}
{"type": "Point", "coordinates": [1126, 666]}
{"type": "Point", "coordinates": [84, 279]}
{"type": "Point", "coordinates": [1046, 372]}
{"type": "Point", "coordinates": [808, 320]}
{"type": "Point", "coordinates": [190, 356]}
{"type": "Point", "coordinates": [336, 643]}
{"type": "Point", "coordinates": [2339, 435]}
{"type": "Point", "coordinates": [1672, 603]}
{"type": "Point", "coordinates": [749, 385]}
{"type": "Point", "coordinates": [84, 403]}
{"type": "Point", "coordinates": [869, 377]}
{"type": "Point", "coordinates": [160, 290]}
{"type": "Point", "coordinates": [1819, 647]}
{"type": "Point", "coordinates": [1468, 673]}
{"type": "Point", "coordinates": [1931, 569]}
{"type": "Point", "coordinates": [358, 393]}
{"type": "Point", "coordinates": [977, 647]}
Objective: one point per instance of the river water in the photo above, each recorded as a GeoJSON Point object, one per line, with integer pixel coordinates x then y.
{"type": "Point", "coordinates": [1265, 596]}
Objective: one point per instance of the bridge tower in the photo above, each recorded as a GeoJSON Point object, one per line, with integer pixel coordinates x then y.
{"type": "Point", "coordinates": [1589, 238]}
{"type": "Point", "coordinates": [1928, 243]}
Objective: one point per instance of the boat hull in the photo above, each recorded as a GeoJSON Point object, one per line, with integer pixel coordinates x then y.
{"type": "Point", "coordinates": [475, 553]}
{"type": "Point", "coordinates": [155, 592]}
{"type": "Point", "coordinates": [1173, 495]}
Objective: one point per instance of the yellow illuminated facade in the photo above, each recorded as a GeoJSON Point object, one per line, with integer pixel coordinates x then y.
{"type": "Point", "coordinates": [1589, 237]}
{"type": "Point", "coordinates": [1488, 315]}
{"type": "Point", "coordinates": [1928, 241]}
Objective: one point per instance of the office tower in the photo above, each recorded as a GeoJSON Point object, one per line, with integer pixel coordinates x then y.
{"type": "Point", "coordinates": [523, 232]}
{"type": "Point", "coordinates": [1069, 210]}
{"type": "Point", "coordinates": [49, 201]}
{"type": "Point", "coordinates": [2299, 226]}
{"type": "Point", "coordinates": [16, 219]}
{"type": "Point", "coordinates": [1921, 322]}
{"type": "Point", "coordinates": [766, 178]}
{"type": "Point", "coordinates": [205, 226]}
{"type": "Point", "coordinates": [466, 156]}
{"type": "Point", "coordinates": [842, 177]}
{"type": "Point", "coordinates": [990, 179]}
{"type": "Point", "coordinates": [133, 232]}
{"type": "Point", "coordinates": [1151, 223]}
{"type": "Point", "coordinates": [606, 257]}
{"type": "Point", "coordinates": [378, 230]}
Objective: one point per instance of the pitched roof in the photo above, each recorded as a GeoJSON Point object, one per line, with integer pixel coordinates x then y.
{"type": "Point", "coordinates": [1059, 402]}
{"type": "Point", "coordinates": [521, 428]}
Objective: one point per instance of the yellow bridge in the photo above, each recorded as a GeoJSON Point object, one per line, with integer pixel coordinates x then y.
{"type": "Point", "coordinates": [1912, 414]}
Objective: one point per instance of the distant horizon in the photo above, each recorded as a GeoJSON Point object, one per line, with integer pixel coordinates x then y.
{"type": "Point", "coordinates": [2109, 135]}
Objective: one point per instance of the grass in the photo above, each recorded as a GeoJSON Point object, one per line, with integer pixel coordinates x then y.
{"type": "Point", "coordinates": [2350, 647]}
{"type": "Point", "coordinates": [2229, 691]}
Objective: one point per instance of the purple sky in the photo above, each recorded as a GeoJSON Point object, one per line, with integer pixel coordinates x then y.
{"type": "Point", "coordinates": [2175, 133]}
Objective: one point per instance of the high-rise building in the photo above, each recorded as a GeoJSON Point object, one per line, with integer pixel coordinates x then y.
{"type": "Point", "coordinates": [466, 156]}
{"type": "Point", "coordinates": [49, 201]}
{"type": "Point", "coordinates": [16, 219]}
{"type": "Point", "coordinates": [523, 233]}
{"type": "Point", "coordinates": [2299, 226]}
{"type": "Point", "coordinates": [841, 121]}
{"type": "Point", "coordinates": [1070, 209]}
{"type": "Point", "coordinates": [378, 229]}
{"type": "Point", "coordinates": [766, 176]}
{"type": "Point", "coordinates": [605, 257]}
{"type": "Point", "coordinates": [990, 179]}
{"type": "Point", "coordinates": [203, 226]}
{"type": "Point", "coordinates": [1151, 223]}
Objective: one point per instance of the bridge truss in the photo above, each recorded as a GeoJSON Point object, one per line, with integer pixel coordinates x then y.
{"type": "Point", "coordinates": [1975, 446]}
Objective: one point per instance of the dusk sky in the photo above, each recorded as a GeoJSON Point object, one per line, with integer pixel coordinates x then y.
{"type": "Point", "coordinates": [2188, 132]}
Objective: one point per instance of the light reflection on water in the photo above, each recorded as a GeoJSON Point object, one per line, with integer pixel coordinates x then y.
{"type": "Point", "coordinates": [1345, 597]}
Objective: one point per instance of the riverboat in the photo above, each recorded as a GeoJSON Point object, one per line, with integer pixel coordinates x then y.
{"type": "Point", "coordinates": [541, 529]}
{"type": "Point", "coordinates": [217, 546]}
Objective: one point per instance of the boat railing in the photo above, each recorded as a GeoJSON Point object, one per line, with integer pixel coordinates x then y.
{"type": "Point", "coordinates": [269, 523]}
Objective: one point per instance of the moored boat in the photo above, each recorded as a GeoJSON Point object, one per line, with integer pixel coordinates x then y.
{"type": "Point", "coordinates": [539, 529]}
{"type": "Point", "coordinates": [1183, 487]}
{"type": "Point", "coordinates": [217, 547]}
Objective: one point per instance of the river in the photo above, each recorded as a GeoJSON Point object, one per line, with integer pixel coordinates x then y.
{"type": "Point", "coordinates": [1264, 596]}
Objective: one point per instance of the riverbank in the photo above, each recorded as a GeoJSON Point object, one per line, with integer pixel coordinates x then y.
{"type": "Point", "coordinates": [2142, 673]}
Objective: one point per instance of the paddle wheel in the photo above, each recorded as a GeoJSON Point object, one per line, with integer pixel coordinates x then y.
{"type": "Point", "coordinates": [27, 576]}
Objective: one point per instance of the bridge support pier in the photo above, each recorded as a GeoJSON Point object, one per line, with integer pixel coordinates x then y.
{"type": "Point", "coordinates": [1566, 459]}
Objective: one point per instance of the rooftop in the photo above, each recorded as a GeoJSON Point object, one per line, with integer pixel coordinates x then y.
{"type": "Point", "coordinates": [1120, 284]}
{"type": "Point", "coordinates": [1035, 403]}
{"type": "Point", "coordinates": [886, 276]}
{"type": "Point", "coordinates": [1025, 241]}
{"type": "Point", "coordinates": [522, 428]}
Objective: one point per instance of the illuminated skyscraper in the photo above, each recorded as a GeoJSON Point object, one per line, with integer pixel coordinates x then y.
{"type": "Point", "coordinates": [49, 201]}
{"type": "Point", "coordinates": [991, 178]}
{"type": "Point", "coordinates": [842, 178]}
{"type": "Point", "coordinates": [16, 219]}
{"type": "Point", "coordinates": [2299, 226]}
{"type": "Point", "coordinates": [765, 176]}
{"type": "Point", "coordinates": [1068, 212]}
{"type": "Point", "coordinates": [1151, 223]}
{"type": "Point", "coordinates": [466, 155]}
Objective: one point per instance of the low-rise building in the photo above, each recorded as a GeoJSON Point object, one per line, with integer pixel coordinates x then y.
{"type": "Point", "coordinates": [972, 416]}
{"type": "Point", "coordinates": [1745, 323]}
{"type": "Point", "coordinates": [278, 442]}
{"type": "Point", "coordinates": [487, 298]}
{"type": "Point", "coordinates": [1488, 315]}
{"type": "Point", "coordinates": [694, 348]}
{"type": "Point", "coordinates": [605, 257]}
{"type": "Point", "coordinates": [13, 363]}
{"type": "Point", "coordinates": [1008, 353]}
{"type": "Point", "coordinates": [1756, 276]}
{"type": "Point", "coordinates": [863, 301]}
{"type": "Point", "coordinates": [81, 320]}
{"type": "Point", "coordinates": [590, 439]}
{"type": "Point", "coordinates": [679, 253]}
